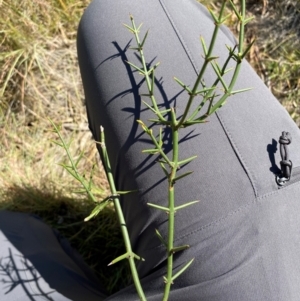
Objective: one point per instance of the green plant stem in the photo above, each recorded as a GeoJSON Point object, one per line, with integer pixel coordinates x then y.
{"type": "Point", "coordinates": [240, 54]}
{"type": "Point", "coordinates": [239, 58]}
{"type": "Point", "coordinates": [241, 44]}
{"type": "Point", "coordinates": [171, 214]}
{"type": "Point", "coordinates": [242, 25]}
{"type": "Point", "coordinates": [209, 94]}
{"type": "Point", "coordinates": [204, 66]}
{"type": "Point", "coordinates": [73, 165]}
{"type": "Point", "coordinates": [121, 218]}
{"type": "Point", "coordinates": [148, 80]}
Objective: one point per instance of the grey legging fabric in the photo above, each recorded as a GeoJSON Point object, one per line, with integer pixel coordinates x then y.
{"type": "Point", "coordinates": [37, 264]}
{"type": "Point", "coordinates": [244, 233]}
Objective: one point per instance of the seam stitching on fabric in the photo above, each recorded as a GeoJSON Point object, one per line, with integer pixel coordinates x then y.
{"type": "Point", "coordinates": [214, 223]}
{"type": "Point", "coordinates": [229, 137]}
{"type": "Point", "coordinates": [290, 186]}
{"type": "Point", "coordinates": [184, 45]}
{"type": "Point", "coordinates": [238, 154]}
{"type": "Point", "coordinates": [218, 221]}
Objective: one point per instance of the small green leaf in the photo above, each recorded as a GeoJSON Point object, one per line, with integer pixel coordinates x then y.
{"type": "Point", "coordinates": [182, 176]}
{"type": "Point", "coordinates": [96, 210]}
{"type": "Point", "coordinates": [225, 18]}
{"type": "Point", "coordinates": [144, 40]}
{"type": "Point", "coordinates": [124, 256]}
{"type": "Point", "coordinates": [159, 121]}
{"type": "Point", "coordinates": [193, 122]}
{"type": "Point", "coordinates": [143, 125]}
{"type": "Point", "coordinates": [164, 169]}
{"type": "Point", "coordinates": [165, 111]}
{"type": "Point", "coordinates": [149, 107]}
{"type": "Point", "coordinates": [135, 48]}
{"type": "Point", "coordinates": [156, 65]}
{"type": "Point", "coordinates": [227, 70]}
{"type": "Point", "coordinates": [209, 107]}
{"type": "Point", "coordinates": [240, 91]}
{"type": "Point", "coordinates": [129, 28]}
{"type": "Point", "coordinates": [183, 269]}
{"type": "Point", "coordinates": [97, 191]}
{"type": "Point", "coordinates": [140, 26]}
{"type": "Point", "coordinates": [79, 158]}
{"type": "Point", "coordinates": [158, 207]}
{"type": "Point", "coordinates": [65, 166]}
{"type": "Point", "coordinates": [216, 107]}
{"type": "Point", "coordinates": [69, 143]}
{"type": "Point", "coordinates": [248, 48]}
{"type": "Point", "coordinates": [137, 257]}
{"type": "Point", "coordinates": [185, 205]}
{"type": "Point", "coordinates": [57, 143]}
{"type": "Point", "coordinates": [91, 177]}
{"type": "Point", "coordinates": [211, 58]}
{"type": "Point", "coordinates": [152, 151]}
{"type": "Point", "coordinates": [173, 117]}
{"type": "Point", "coordinates": [235, 10]}
{"type": "Point", "coordinates": [151, 70]}
{"type": "Point", "coordinates": [137, 68]}
{"type": "Point", "coordinates": [214, 16]}
{"type": "Point", "coordinates": [185, 161]}
{"type": "Point", "coordinates": [160, 142]}
{"type": "Point", "coordinates": [161, 238]}
{"type": "Point", "coordinates": [248, 20]}
{"type": "Point", "coordinates": [162, 161]}
{"type": "Point", "coordinates": [178, 249]}
{"type": "Point", "coordinates": [81, 191]}
{"type": "Point", "coordinates": [126, 192]}
{"type": "Point", "coordinates": [204, 90]}
{"type": "Point", "coordinates": [219, 76]}
{"type": "Point", "coordinates": [184, 86]}
{"type": "Point", "coordinates": [203, 45]}
{"type": "Point", "coordinates": [71, 172]}
{"type": "Point", "coordinates": [230, 50]}
{"type": "Point", "coordinates": [152, 82]}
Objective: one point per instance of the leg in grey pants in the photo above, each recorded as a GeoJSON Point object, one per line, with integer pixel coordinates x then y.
{"type": "Point", "coordinates": [244, 234]}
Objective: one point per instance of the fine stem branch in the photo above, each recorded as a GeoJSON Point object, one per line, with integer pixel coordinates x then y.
{"type": "Point", "coordinates": [166, 118]}
{"type": "Point", "coordinates": [129, 253]}
{"type": "Point", "coordinates": [171, 203]}
{"type": "Point", "coordinates": [146, 72]}
{"type": "Point", "coordinates": [208, 94]}
{"type": "Point", "coordinates": [207, 59]}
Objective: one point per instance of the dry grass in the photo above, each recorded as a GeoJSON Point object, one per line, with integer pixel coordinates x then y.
{"type": "Point", "coordinates": [39, 79]}
{"type": "Point", "coordinates": [275, 55]}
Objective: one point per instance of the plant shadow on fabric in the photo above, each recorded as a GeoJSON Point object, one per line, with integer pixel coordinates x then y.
{"type": "Point", "coordinates": [16, 271]}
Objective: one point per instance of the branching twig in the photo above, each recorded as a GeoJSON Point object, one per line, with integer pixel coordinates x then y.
{"type": "Point", "coordinates": [169, 164]}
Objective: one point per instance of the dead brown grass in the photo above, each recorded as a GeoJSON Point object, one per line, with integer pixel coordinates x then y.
{"type": "Point", "coordinates": [39, 79]}
{"type": "Point", "coordinates": [275, 55]}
